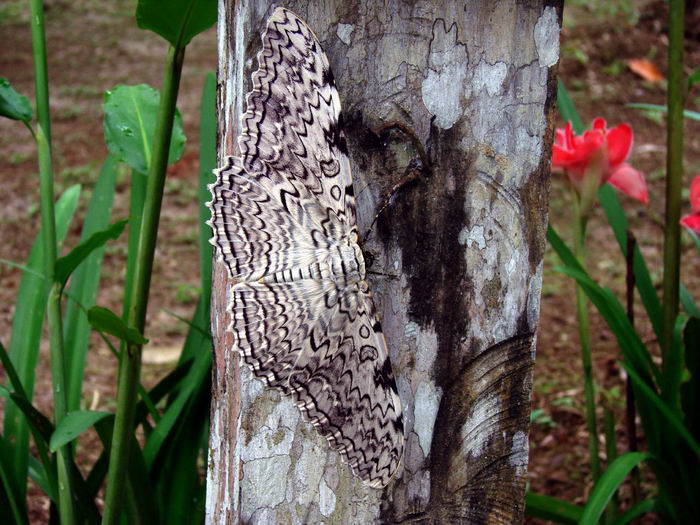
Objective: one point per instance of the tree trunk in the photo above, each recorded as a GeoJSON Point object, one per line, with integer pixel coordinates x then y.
{"type": "Point", "coordinates": [457, 254]}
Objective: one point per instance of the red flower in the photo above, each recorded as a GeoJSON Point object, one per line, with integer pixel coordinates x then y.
{"type": "Point", "coordinates": [596, 157]}
{"type": "Point", "coordinates": [692, 221]}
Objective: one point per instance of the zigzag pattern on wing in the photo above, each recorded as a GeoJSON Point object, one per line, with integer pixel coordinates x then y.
{"type": "Point", "coordinates": [344, 385]}
{"type": "Point", "coordinates": [271, 321]}
{"type": "Point", "coordinates": [325, 347]}
{"type": "Point", "coordinates": [291, 130]}
{"type": "Point", "coordinates": [255, 235]}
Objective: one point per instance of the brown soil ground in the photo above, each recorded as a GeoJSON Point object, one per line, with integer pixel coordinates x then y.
{"type": "Point", "coordinates": [94, 46]}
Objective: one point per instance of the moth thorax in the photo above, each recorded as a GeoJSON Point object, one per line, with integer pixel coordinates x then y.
{"type": "Point", "coordinates": [347, 263]}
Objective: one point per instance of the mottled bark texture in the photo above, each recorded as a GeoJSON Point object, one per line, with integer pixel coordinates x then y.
{"type": "Point", "coordinates": [458, 255]}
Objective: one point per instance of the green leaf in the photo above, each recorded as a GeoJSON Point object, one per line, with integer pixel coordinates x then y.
{"type": "Point", "coordinates": [551, 509]}
{"type": "Point", "coordinates": [641, 508]}
{"type": "Point", "coordinates": [696, 239]}
{"type": "Point", "coordinates": [108, 322]}
{"type": "Point", "coordinates": [694, 78]}
{"type": "Point", "coordinates": [632, 347]}
{"type": "Point", "coordinates": [567, 109]}
{"type": "Point", "coordinates": [130, 122]}
{"type": "Point", "coordinates": [68, 263]}
{"type": "Point", "coordinates": [642, 389]}
{"type": "Point", "coordinates": [137, 197]}
{"type": "Point", "coordinates": [37, 473]}
{"type": "Point", "coordinates": [74, 424]}
{"type": "Point", "coordinates": [140, 506]}
{"type": "Point", "coordinates": [82, 291]}
{"type": "Point", "coordinates": [13, 508]}
{"type": "Point", "coordinates": [688, 303]}
{"type": "Point", "coordinates": [199, 373]}
{"type": "Point", "coordinates": [693, 115]}
{"type": "Point", "coordinates": [12, 104]}
{"type": "Point", "coordinates": [673, 367]}
{"type": "Point", "coordinates": [608, 484]}
{"type": "Point", "coordinates": [618, 222]}
{"type": "Point", "coordinates": [30, 306]}
{"type": "Point", "coordinates": [11, 372]}
{"type": "Point", "coordinates": [178, 21]}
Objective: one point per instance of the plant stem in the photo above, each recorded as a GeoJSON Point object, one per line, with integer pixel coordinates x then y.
{"type": "Point", "coordinates": [585, 342]}
{"type": "Point", "coordinates": [48, 227]}
{"type": "Point", "coordinates": [41, 77]}
{"type": "Point", "coordinates": [674, 170]}
{"type": "Point", "coordinates": [136, 316]}
{"type": "Point", "coordinates": [55, 325]}
{"type": "Point", "coordinates": [611, 510]}
{"type": "Point", "coordinates": [630, 410]}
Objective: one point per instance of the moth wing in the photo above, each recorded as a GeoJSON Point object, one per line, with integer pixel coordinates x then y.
{"type": "Point", "coordinates": [325, 348]}
{"type": "Point", "coordinates": [292, 135]}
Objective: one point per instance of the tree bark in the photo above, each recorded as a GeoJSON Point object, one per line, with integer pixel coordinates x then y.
{"type": "Point", "coordinates": [457, 255]}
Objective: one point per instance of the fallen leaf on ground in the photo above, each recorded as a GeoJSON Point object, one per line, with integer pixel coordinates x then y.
{"type": "Point", "coordinates": [645, 69]}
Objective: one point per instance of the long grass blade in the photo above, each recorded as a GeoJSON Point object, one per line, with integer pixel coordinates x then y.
{"type": "Point", "coordinates": [667, 413]}
{"type": "Point", "coordinates": [641, 508]}
{"type": "Point", "coordinates": [13, 508]}
{"type": "Point", "coordinates": [551, 509]}
{"type": "Point", "coordinates": [30, 307]}
{"type": "Point", "coordinates": [608, 484]}
{"type": "Point", "coordinates": [86, 279]}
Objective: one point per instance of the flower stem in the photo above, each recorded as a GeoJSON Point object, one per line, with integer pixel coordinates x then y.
{"type": "Point", "coordinates": [674, 170]}
{"type": "Point", "coordinates": [136, 315]}
{"type": "Point", "coordinates": [585, 341]}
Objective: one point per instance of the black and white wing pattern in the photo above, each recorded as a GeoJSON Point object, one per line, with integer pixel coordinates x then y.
{"type": "Point", "coordinates": [283, 217]}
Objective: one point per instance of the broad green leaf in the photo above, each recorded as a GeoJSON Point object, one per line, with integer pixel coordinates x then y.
{"type": "Point", "coordinates": [641, 387]}
{"type": "Point", "coordinates": [12, 104]}
{"type": "Point", "coordinates": [608, 484]}
{"type": "Point", "coordinates": [67, 264]}
{"type": "Point", "coordinates": [567, 109]}
{"type": "Point", "coordinates": [82, 291]}
{"type": "Point", "coordinates": [137, 197]}
{"type": "Point", "coordinates": [693, 115]}
{"type": "Point", "coordinates": [641, 508]}
{"type": "Point", "coordinates": [108, 322]}
{"type": "Point", "coordinates": [130, 122]}
{"type": "Point", "coordinates": [178, 21]}
{"type": "Point", "coordinates": [72, 425]}
{"type": "Point", "coordinates": [551, 509]}
{"type": "Point", "coordinates": [30, 306]}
